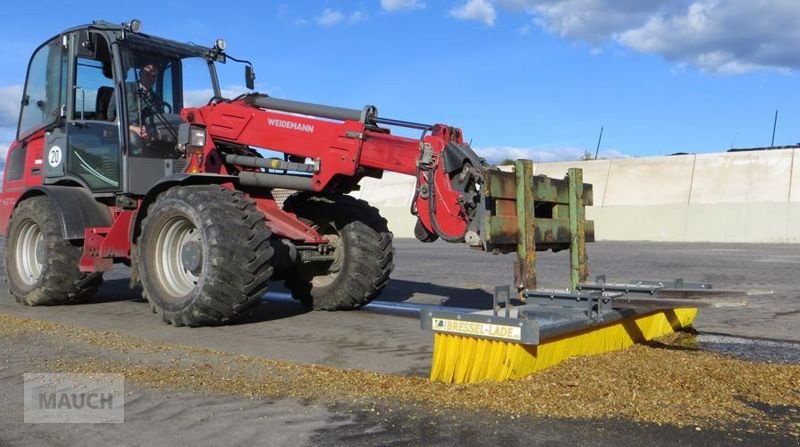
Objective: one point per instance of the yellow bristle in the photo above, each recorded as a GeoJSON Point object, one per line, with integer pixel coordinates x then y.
{"type": "Point", "coordinates": [461, 359]}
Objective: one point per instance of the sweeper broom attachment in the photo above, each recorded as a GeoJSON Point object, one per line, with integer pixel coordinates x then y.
{"type": "Point", "coordinates": [530, 214]}
{"type": "Point", "coordinates": [510, 342]}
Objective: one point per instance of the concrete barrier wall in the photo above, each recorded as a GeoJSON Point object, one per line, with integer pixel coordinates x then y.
{"type": "Point", "coordinates": [793, 215]}
{"type": "Point", "coordinates": [726, 197]}
{"type": "Point", "coordinates": [392, 195]}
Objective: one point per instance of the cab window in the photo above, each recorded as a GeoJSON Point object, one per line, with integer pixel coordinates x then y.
{"type": "Point", "coordinates": [93, 90]}
{"type": "Point", "coordinates": [45, 89]}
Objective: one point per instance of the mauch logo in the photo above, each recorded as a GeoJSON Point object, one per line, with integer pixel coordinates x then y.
{"type": "Point", "coordinates": [74, 398]}
{"type": "Point", "coordinates": [76, 401]}
{"type": "Point", "coordinates": [284, 124]}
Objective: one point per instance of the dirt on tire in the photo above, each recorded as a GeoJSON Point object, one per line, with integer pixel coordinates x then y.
{"type": "Point", "coordinates": [365, 255]}
{"type": "Point", "coordinates": [59, 281]}
{"type": "Point", "coordinates": [234, 266]}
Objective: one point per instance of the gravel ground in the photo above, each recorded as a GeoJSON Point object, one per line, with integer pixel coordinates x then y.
{"type": "Point", "coordinates": [206, 397]}
{"type": "Point", "coordinates": [355, 379]}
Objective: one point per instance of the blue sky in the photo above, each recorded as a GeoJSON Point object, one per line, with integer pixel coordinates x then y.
{"type": "Point", "coordinates": [523, 78]}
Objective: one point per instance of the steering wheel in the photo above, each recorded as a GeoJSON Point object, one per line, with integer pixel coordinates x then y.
{"type": "Point", "coordinates": [161, 105]}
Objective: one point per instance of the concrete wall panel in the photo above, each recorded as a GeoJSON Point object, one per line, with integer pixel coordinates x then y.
{"type": "Point", "coordinates": [742, 177]}
{"type": "Point", "coordinates": [392, 190]}
{"type": "Point", "coordinates": [793, 223]}
{"type": "Point", "coordinates": [649, 181]}
{"type": "Point", "coordinates": [638, 223]}
{"type": "Point", "coordinates": [730, 222]}
{"type": "Point", "coordinates": [794, 188]}
{"type": "Point", "coordinates": [401, 222]}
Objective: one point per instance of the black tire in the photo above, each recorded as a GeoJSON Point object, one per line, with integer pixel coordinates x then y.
{"type": "Point", "coordinates": [41, 266]}
{"type": "Point", "coordinates": [364, 256]}
{"type": "Point", "coordinates": [203, 255]}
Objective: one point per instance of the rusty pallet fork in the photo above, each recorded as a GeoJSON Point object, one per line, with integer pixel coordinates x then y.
{"type": "Point", "coordinates": [527, 213]}
{"type": "Point", "coordinates": [535, 213]}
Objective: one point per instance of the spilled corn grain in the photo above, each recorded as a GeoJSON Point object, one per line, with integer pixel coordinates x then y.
{"type": "Point", "coordinates": [645, 383]}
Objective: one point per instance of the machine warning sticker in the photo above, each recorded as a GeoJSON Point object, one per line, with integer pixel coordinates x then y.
{"type": "Point", "coordinates": [477, 329]}
{"type": "Point", "coordinates": [54, 156]}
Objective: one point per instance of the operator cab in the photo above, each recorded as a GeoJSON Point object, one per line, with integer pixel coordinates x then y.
{"type": "Point", "coordinates": [109, 100]}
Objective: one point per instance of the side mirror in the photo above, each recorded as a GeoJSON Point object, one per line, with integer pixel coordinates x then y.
{"type": "Point", "coordinates": [249, 77]}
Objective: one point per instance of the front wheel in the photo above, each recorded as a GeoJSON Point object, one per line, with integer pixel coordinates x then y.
{"type": "Point", "coordinates": [41, 266]}
{"type": "Point", "coordinates": [362, 257]}
{"type": "Point", "coordinates": [204, 255]}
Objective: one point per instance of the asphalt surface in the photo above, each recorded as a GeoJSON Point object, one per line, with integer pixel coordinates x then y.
{"type": "Point", "coordinates": [387, 341]}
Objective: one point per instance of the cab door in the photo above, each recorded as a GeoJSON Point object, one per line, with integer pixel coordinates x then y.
{"type": "Point", "coordinates": [92, 133]}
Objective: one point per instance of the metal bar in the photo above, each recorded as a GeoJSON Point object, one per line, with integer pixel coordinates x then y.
{"type": "Point", "coordinates": [505, 292]}
{"type": "Point", "coordinates": [400, 123]}
{"type": "Point", "coordinates": [651, 287]}
{"type": "Point", "coordinates": [655, 303]}
{"type": "Point", "coordinates": [674, 284]}
{"type": "Point", "coordinates": [579, 270]}
{"type": "Point", "coordinates": [526, 231]}
{"type": "Point", "coordinates": [554, 294]}
{"type": "Point", "coordinates": [627, 288]}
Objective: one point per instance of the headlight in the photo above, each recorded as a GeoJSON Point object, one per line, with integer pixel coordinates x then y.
{"type": "Point", "coordinates": [191, 135]}
{"type": "Point", "coordinates": [197, 136]}
{"type": "Point", "coordinates": [134, 26]}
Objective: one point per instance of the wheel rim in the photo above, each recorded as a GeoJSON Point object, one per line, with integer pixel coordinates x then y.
{"type": "Point", "coordinates": [29, 252]}
{"type": "Point", "coordinates": [327, 272]}
{"type": "Point", "coordinates": [178, 265]}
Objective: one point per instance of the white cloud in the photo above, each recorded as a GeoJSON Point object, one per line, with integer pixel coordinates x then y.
{"type": "Point", "coordinates": [355, 17]}
{"type": "Point", "coordinates": [331, 17]}
{"type": "Point", "coordinates": [5, 143]}
{"type": "Point", "coordinates": [722, 36]}
{"type": "Point", "coordinates": [283, 11]}
{"type": "Point", "coordinates": [401, 5]}
{"type": "Point", "coordinates": [481, 10]}
{"type": "Point", "coordinates": [590, 20]}
{"type": "Point", "coordinates": [497, 154]}
{"type": "Point", "coordinates": [733, 36]}
{"type": "Point", "coordinates": [10, 97]}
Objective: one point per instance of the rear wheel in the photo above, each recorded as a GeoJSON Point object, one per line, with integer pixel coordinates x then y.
{"type": "Point", "coordinates": [362, 256]}
{"type": "Point", "coordinates": [41, 266]}
{"type": "Point", "coordinates": [204, 255]}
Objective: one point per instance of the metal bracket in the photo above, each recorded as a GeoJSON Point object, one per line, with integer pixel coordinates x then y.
{"type": "Point", "coordinates": [644, 286]}
{"type": "Point", "coordinates": [593, 304]}
{"type": "Point", "coordinates": [551, 313]}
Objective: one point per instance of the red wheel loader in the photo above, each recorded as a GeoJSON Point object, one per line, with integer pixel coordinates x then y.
{"type": "Point", "coordinates": [112, 165]}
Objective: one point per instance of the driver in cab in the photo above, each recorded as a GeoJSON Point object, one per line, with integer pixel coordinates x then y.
{"type": "Point", "coordinates": [142, 104]}
{"type": "Point", "coordinates": [141, 101]}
